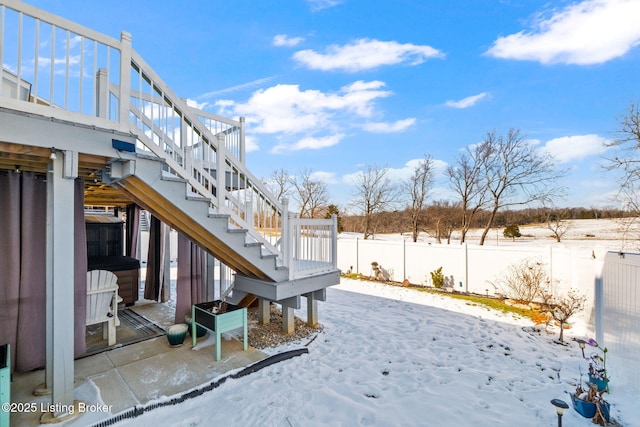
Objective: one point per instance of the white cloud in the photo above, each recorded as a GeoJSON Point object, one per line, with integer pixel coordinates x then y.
{"type": "Point", "coordinates": [287, 109]}
{"type": "Point", "coordinates": [236, 88]}
{"type": "Point", "coordinates": [589, 32]}
{"type": "Point", "coordinates": [310, 143]}
{"type": "Point", "coordinates": [365, 54]}
{"type": "Point", "coordinates": [250, 144]}
{"type": "Point", "coordinates": [285, 40]}
{"type": "Point", "coordinates": [317, 5]}
{"type": "Point", "coordinates": [398, 175]}
{"type": "Point", "coordinates": [568, 148]}
{"type": "Point", "coordinates": [403, 173]}
{"type": "Point", "coordinates": [326, 177]}
{"type": "Point", "coordinates": [467, 102]}
{"type": "Point", "coordinates": [195, 104]}
{"type": "Point", "coordinates": [398, 126]}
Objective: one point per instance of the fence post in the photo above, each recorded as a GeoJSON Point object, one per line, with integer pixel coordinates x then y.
{"type": "Point", "coordinates": [285, 240]}
{"type": "Point", "coordinates": [357, 255]}
{"type": "Point", "coordinates": [334, 241]}
{"type": "Point", "coordinates": [404, 259]}
{"type": "Point", "coordinates": [551, 269]}
{"type": "Point", "coordinates": [466, 267]}
{"type": "Point", "coordinates": [598, 302]}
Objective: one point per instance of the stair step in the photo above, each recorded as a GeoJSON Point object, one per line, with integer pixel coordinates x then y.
{"type": "Point", "coordinates": [152, 157]}
{"type": "Point", "coordinates": [172, 178]}
{"type": "Point", "coordinates": [219, 215]}
{"type": "Point", "coordinates": [237, 230]}
{"type": "Point", "coordinates": [197, 198]}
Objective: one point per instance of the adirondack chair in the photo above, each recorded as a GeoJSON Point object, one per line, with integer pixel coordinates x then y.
{"type": "Point", "coordinates": [102, 302]}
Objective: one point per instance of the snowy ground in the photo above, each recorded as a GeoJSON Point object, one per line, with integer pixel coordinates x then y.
{"type": "Point", "coordinates": [391, 356]}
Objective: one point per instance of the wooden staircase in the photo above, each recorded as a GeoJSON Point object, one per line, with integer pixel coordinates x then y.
{"type": "Point", "coordinates": [166, 197]}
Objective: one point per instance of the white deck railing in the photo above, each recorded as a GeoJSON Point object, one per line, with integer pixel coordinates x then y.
{"type": "Point", "coordinates": [70, 72]}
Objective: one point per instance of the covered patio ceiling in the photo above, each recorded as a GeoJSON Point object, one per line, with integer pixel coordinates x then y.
{"type": "Point", "coordinates": [36, 159]}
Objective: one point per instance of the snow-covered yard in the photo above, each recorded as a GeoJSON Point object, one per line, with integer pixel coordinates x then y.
{"type": "Point", "coordinates": [392, 356]}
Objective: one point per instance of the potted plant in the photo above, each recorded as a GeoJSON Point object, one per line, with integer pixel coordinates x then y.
{"type": "Point", "coordinates": [590, 404]}
{"type": "Point", "coordinates": [597, 365]}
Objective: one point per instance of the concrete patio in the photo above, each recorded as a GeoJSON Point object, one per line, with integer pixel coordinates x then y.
{"type": "Point", "coordinates": [126, 376]}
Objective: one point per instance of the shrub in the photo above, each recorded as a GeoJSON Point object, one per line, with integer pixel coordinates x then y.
{"type": "Point", "coordinates": [526, 281]}
{"type": "Point", "coordinates": [437, 278]}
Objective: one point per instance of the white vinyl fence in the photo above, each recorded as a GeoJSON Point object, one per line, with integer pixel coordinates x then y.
{"type": "Point", "coordinates": [468, 268]}
{"type": "Point", "coordinates": [618, 315]}
{"type": "Point", "coordinates": [610, 280]}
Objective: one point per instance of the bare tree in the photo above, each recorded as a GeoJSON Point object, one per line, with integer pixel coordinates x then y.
{"type": "Point", "coordinates": [312, 195]}
{"type": "Point", "coordinates": [466, 179]}
{"type": "Point", "coordinates": [517, 173]}
{"type": "Point", "coordinates": [566, 306]}
{"type": "Point", "coordinates": [441, 219]}
{"type": "Point", "coordinates": [279, 183]}
{"type": "Point", "coordinates": [556, 222]}
{"type": "Point", "coordinates": [626, 157]}
{"type": "Point", "coordinates": [374, 192]}
{"type": "Point", "coordinates": [417, 187]}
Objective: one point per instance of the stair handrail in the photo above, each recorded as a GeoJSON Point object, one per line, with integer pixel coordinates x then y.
{"type": "Point", "coordinates": [195, 139]}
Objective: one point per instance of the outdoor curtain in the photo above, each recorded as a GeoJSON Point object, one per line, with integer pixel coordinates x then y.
{"type": "Point", "coordinates": [191, 287]}
{"type": "Point", "coordinates": [133, 230]}
{"type": "Point", "coordinates": [23, 216]}
{"type": "Point", "coordinates": [156, 285]}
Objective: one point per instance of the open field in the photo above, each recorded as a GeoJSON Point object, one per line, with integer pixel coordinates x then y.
{"type": "Point", "coordinates": [609, 234]}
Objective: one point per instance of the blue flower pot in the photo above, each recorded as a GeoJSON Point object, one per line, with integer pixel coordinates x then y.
{"type": "Point", "coordinates": [588, 409]}
{"type": "Point", "coordinates": [200, 331]}
{"type": "Point", "coordinates": [602, 384]}
{"type": "Point", "coordinates": [176, 334]}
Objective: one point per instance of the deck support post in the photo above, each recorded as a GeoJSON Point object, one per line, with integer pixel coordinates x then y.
{"type": "Point", "coordinates": [59, 374]}
{"type": "Point", "coordinates": [312, 310]}
{"type": "Point", "coordinates": [288, 325]}
{"type": "Point", "coordinates": [264, 311]}
{"type": "Point", "coordinates": [288, 317]}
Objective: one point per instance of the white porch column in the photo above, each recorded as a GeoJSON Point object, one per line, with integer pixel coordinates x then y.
{"type": "Point", "coordinates": [60, 280]}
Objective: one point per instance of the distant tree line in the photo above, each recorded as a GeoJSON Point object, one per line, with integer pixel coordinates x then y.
{"type": "Point", "coordinates": [495, 183]}
{"type": "Point", "coordinates": [441, 219]}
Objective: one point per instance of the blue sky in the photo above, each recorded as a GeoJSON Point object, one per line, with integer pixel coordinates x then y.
{"type": "Point", "coordinates": [333, 85]}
